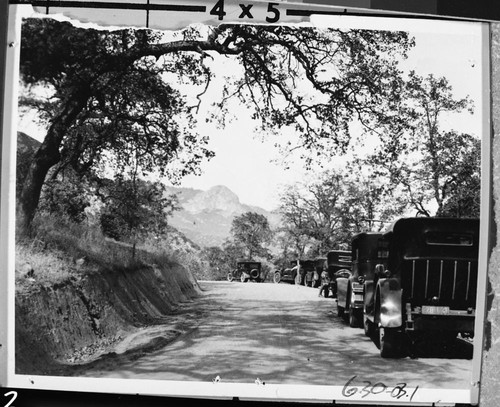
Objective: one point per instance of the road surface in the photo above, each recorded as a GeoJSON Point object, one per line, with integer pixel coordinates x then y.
{"type": "Point", "coordinates": [279, 333]}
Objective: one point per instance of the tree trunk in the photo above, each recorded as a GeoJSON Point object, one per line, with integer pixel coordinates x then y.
{"type": "Point", "coordinates": [46, 157]}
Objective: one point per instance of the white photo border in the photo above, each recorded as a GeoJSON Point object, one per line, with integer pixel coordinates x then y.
{"type": "Point", "coordinates": [252, 391]}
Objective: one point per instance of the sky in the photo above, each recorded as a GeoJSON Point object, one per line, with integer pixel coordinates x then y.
{"type": "Point", "coordinates": [243, 161]}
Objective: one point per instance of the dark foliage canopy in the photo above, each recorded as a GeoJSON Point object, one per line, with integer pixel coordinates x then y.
{"type": "Point", "coordinates": [115, 95]}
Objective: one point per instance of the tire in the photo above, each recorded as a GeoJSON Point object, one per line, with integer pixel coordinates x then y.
{"type": "Point", "coordinates": [277, 277]}
{"type": "Point", "coordinates": [254, 273]}
{"type": "Point", "coordinates": [368, 327]}
{"type": "Point", "coordinates": [230, 277]}
{"type": "Point", "coordinates": [340, 311]}
{"type": "Point", "coordinates": [390, 342]}
{"type": "Point", "coordinates": [326, 292]}
{"type": "Point", "coordinates": [355, 317]}
{"type": "Point", "coordinates": [243, 278]}
{"type": "Point", "coordinates": [333, 289]}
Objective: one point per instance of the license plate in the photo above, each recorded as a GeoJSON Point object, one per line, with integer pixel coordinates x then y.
{"type": "Point", "coordinates": [435, 310]}
{"type": "Point", "coordinates": [358, 297]}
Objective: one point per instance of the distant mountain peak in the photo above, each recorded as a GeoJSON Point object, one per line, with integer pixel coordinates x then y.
{"type": "Point", "coordinates": [206, 216]}
{"type": "Point", "coordinates": [217, 198]}
{"type": "Point", "coordinates": [221, 189]}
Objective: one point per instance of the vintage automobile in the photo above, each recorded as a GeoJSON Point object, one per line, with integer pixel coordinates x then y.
{"type": "Point", "coordinates": [365, 255]}
{"type": "Point", "coordinates": [320, 266]}
{"type": "Point", "coordinates": [427, 286]}
{"type": "Point", "coordinates": [247, 271]}
{"type": "Point", "coordinates": [287, 274]}
{"type": "Point", "coordinates": [338, 264]}
{"type": "Point", "coordinates": [305, 275]}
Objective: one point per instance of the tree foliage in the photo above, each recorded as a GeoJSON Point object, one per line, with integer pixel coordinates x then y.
{"type": "Point", "coordinates": [112, 92]}
{"type": "Point", "coordinates": [222, 260]}
{"type": "Point", "coordinates": [312, 213]}
{"type": "Point", "coordinates": [324, 214]}
{"type": "Point", "coordinates": [425, 161]}
{"type": "Point", "coordinates": [251, 231]}
{"type": "Point", "coordinates": [134, 209]}
{"type": "Point", "coordinates": [67, 196]}
{"type": "Point", "coordinates": [461, 177]}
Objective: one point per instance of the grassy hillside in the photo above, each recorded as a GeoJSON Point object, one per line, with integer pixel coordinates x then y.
{"type": "Point", "coordinates": [78, 294]}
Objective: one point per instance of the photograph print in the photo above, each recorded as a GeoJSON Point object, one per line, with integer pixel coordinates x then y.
{"type": "Point", "coordinates": [250, 203]}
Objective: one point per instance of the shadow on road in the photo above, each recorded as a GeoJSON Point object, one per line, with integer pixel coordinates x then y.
{"type": "Point", "coordinates": [300, 342]}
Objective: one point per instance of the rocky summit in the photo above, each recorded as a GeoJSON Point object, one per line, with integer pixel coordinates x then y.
{"type": "Point", "coordinates": [206, 216]}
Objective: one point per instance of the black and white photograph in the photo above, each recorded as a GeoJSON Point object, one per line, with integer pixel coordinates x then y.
{"type": "Point", "coordinates": [289, 205]}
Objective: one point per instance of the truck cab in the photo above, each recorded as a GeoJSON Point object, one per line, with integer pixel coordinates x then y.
{"type": "Point", "coordinates": [247, 271]}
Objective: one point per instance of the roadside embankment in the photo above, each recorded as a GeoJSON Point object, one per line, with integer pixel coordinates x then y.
{"type": "Point", "coordinates": [85, 315]}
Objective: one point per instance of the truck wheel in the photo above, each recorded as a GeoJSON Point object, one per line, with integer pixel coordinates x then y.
{"type": "Point", "coordinates": [277, 277]}
{"type": "Point", "coordinates": [368, 327]}
{"type": "Point", "coordinates": [243, 278]}
{"type": "Point", "coordinates": [340, 311]}
{"type": "Point", "coordinates": [354, 317]}
{"type": "Point", "coordinates": [390, 343]}
{"type": "Point", "coordinates": [230, 277]}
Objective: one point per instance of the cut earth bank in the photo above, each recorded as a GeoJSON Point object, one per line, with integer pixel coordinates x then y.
{"type": "Point", "coordinates": [99, 313]}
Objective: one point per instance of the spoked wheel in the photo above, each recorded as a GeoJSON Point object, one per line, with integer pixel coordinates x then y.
{"type": "Point", "coordinates": [230, 277]}
{"type": "Point", "coordinates": [390, 342]}
{"type": "Point", "coordinates": [243, 278]}
{"type": "Point", "coordinates": [277, 277]}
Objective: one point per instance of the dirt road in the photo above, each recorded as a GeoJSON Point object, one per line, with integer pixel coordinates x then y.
{"type": "Point", "coordinates": [279, 333]}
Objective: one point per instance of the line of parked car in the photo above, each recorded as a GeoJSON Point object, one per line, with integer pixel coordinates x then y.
{"type": "Point", "coordinates": [416, 280]}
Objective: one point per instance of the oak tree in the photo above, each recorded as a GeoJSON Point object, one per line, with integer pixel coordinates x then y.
{"type": "Point", "coordinates": [430, 163]}
{"type": "Point", "coordinates": [252, 232]}
{"type": "Point", "coordinates": [110, 92]}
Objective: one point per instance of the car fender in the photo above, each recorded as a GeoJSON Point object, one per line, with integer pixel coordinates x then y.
{"type": "Point", "coordinates": [369, 297]}
{"type": "Point", "coordinates": [342, 287]}
{"type": "Point", "coordinates": [389, 303]}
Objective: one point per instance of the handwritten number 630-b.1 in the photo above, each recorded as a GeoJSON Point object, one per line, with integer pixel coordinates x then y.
{"type": "Point", "coordinates": [398, 391]}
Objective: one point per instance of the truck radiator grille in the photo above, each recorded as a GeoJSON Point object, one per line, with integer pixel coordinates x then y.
{"type": "Point", "coordinates": [454, 282]}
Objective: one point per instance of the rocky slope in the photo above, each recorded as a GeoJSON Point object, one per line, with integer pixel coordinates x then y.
{"type": "Point", "coordinates": [206, 216]}
{"type": "Point", "coordinates": [91, 313]}
{"type": "Point", "coordinates": [69, 312]}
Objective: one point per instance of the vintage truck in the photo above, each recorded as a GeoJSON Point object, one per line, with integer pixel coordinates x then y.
{"type": "Point", "coordinates": [247, 271]}
{"type": "Point", "coordinates": [338, 264]}
{"type": "Point", "coordinates": [286, 274]}
{"type": "Point", "coordinates": [305, 275]}
{"type": "Point", "coordinates": [320, 266]}
{"type": "Point", "coordinates": [426, 287]}
{"type": "Point", "coordinates": [300, 270]}
{"type": "Point", "coordinates": [366, 253]}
